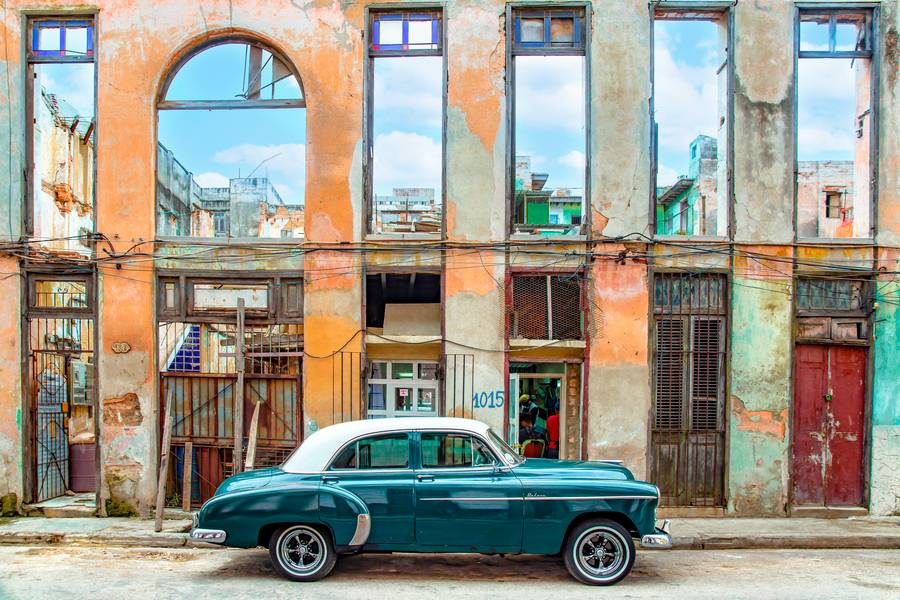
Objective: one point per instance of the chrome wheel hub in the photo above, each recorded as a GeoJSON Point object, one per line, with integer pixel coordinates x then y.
{"type": "Point", "coordinates": [302, 550]}
{"type": "Point", "coordinates": [600, 553]}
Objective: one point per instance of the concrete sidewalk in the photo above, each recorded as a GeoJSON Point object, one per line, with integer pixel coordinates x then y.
{"type": "Point", "coordinates": [687, 534]}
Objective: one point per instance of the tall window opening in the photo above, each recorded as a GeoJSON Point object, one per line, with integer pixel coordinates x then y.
{"type": "Point", "coordinates": [231, 151]}
{"type": "Point", "coordinates": [690, 122]}
{"type": "Point", "coordinates": [835, 123]}
{"type": "Point", "coordinates": [59, 213]}
{"type": "Point", "coordinates": [547, 74]}
{"type": "Point", "coordinates": [404, 176]}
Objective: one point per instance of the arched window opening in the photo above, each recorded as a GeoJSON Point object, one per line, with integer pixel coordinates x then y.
{"type": "Point", "coordinates": [231, 147]}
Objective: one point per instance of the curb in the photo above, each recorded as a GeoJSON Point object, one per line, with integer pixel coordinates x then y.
{"type": "Point", "coordinates": [751, 542]}
{"type": "Point", "coordinates": [794, 542]}
{"type": "Point", "coordinates": [163, 540]}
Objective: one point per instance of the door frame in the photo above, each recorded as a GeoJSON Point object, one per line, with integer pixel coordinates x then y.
{"type": "Point", "coordinates": [866, 421]}
{"type": "Point", "coordinates": [514, 401]}
{"type": "Point", "coordinates": [31, 274]}
{"type": "Point", "coordinates": [867, 315]}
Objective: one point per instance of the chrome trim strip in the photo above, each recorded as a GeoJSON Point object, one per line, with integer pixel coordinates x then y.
{"type": "Point", "coordinates": [590, 497]}
{"type": "Point", "coordinates": [487, 498]}
{"type": "Point", "coordinates": [363, 528]}
{"type": "Point", "coordinates": [469, 499]}
{"type": "Point", "coordinates": [213, 536]}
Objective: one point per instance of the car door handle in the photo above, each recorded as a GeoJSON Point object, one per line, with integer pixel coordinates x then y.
{"type": "Point", "coordinates": [425, 478]}
{"type": "Point", "coordinates": [330, 479]}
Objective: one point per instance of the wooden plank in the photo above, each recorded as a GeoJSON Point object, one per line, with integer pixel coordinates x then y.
{"type": "Point", "coordinates": [164, 461]}
{"type": "Point", "coordinates": [187, 471]}
{"type": "Point", "coordinates": [254, 432]}
{"type": "Point", "coordinates": [238, 412]}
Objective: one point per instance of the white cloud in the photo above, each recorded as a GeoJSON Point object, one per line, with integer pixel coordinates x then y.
{"type": "Point", "coordinates": [409, 89]}
{"type": "Point", "coordinates": [685, 100]}
{"type": "Point", "coordinates": [550, 92]}
{"type": "Point", "coordinates": [211, 179]}
{"type": "Point", "coordinates": [404, 159]}
{"type": "Point", "coordinates": [574, 159]}
{"type": "Point", "coordinates": [73, 83]}
{"type": "Point", "coordinates": [284, 164]}
{"type": "Point", "coordinates": [827, 106]}
{"type": "Point", "coordinates": [666, 175]}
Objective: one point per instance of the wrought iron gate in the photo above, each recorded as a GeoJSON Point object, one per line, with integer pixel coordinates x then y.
{"type": "Point", "coordinates": [199, 370]}
{"type": "Point", "coordinates": [57, 347]}
{"type": "Point", "coordinates": [688, 436]}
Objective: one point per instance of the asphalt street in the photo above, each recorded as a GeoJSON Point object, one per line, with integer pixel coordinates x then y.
{"type": "Point", "coordinates": [74, 572]}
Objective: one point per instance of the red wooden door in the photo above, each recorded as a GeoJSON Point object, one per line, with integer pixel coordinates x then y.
{"type": "Point", "coordinates": [829, 400]}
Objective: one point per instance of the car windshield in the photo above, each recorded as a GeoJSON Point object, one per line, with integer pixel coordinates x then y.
{"type": "Point", "coordinates": [508, 453]}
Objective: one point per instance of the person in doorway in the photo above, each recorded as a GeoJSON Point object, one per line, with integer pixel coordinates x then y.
{"type": "Point", "coordinates": [526, 431]}
{"type": "Point", "coordinates": [553, 436]}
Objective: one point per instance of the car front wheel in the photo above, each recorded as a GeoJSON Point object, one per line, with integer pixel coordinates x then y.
{"type": "Point", "coordinates": [302, 552]}
{"type": "Point", "coordinates": [599, 552]}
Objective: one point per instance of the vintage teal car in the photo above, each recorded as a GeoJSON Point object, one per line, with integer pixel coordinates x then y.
{"type": "Point", "coordinates": [432, 485]}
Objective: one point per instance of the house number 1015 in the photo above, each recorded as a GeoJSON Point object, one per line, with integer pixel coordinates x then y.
{"type": "Point", "coordinates": [492, 399]}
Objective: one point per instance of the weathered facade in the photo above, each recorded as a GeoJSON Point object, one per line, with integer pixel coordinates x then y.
{"type": "Point", "coordinates": [676, 354]}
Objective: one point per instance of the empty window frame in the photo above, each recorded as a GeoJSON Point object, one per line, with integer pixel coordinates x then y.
{"type": "Point", "coordinates": [405, 85]}
{"type": "Point", "coordinates": [547, 95]}
{"type": "Point", "coordinates": [276, 299]}
{"type": "Point", "coordinates": [691, 121]}
{"type": "Point", "coordinates": [59, 211]}
{"type": "Point", "coordinates": [403, 303]}
{"type": "Point", "coordinates": [547, 307]}
{"type": "Point", "coordinates": [835, 121]}
{"type": "Point", "coordinates": [231, 150]}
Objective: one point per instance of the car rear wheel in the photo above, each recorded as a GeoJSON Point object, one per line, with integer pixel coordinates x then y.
{"type": "Point", "coordinates": [599, 552]}
{"type": "Point", "coordinates": [302, 552]}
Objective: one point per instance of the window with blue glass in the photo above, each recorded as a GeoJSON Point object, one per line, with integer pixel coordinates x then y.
{"type": "Point", "coordinates": [405, 31]}
{"type": "Point", "coordinates": [548, 29]}
{"type": "Point", "coordinates": [66, 38]}
{"type": "Point", "coordinates": [405, 120]}
{"type": "Point", "coordinates": [547, 88]}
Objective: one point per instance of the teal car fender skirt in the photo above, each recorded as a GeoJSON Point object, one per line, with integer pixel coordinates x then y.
{"type": "Point", "coordinates": [346, 515]}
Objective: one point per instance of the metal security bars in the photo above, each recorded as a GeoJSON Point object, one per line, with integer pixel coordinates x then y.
{"type": "Point", "coordinates": [547, 307]}
{"type": "Point", "coordinates": [230, 356]}
{"type": "Point", "coordinates": [688, 437]}
{"type": "Point", "coordinates": [61, 383]}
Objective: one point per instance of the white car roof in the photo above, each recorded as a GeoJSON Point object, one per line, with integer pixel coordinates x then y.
{"type": "Point", "coordinates": [317, 450]}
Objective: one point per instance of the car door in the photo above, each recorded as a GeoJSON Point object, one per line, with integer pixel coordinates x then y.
{"type": "Point", "coordinates": [377, 469]}
{"type": "Point", "coordinates": [465, 497]}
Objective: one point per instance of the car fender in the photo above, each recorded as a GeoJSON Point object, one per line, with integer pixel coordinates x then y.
{"type": "Point", "coordinates": [243, 514]}
{"type": "Point", "coordinates": [346, 515]}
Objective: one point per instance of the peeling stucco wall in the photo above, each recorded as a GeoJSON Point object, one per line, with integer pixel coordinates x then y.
{"type": "Point", "coordinates": [140, 40]}
{"type": "Point", "coordinates": [761, 345]}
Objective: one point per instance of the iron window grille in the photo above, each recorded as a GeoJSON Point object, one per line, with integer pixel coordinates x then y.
{"type": "Point", "coordinates": [690, 341]}
{"type": "Point", "coordinates": [547, 307]}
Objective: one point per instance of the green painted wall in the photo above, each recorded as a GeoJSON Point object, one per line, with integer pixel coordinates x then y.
{"type": "Point", "coordinates": [885, 473]}
{"type": "Point", "coordinates": [760, 393]}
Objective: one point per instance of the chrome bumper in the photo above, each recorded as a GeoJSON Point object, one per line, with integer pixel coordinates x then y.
{"type": "Point", "coordinates": [363, 527]}
{"type": "Point", "coordinates": [660, 539]}
{"type": "Point", "coordinates": [213, 536]}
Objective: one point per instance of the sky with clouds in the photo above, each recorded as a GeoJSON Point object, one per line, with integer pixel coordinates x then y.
{"type": "Point", "coordinates": [686, 55]}
{"type": "Point", "coordinates": [217, 145]}
{"type": "Point", "coordinates": [221, 144]}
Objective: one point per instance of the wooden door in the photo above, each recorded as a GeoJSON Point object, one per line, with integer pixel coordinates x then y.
{"type": "Point", "coordinates": [829, 405]}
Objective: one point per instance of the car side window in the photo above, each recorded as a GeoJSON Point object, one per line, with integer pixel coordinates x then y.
{"type": "Point", "coordinates": [447, 450]}
{"type": "Point", "coordinates": [376, 452]}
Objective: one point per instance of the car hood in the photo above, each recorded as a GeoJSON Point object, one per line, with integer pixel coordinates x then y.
{"type": "Point", "coordinates": [581, 468]}
{"type": "Point", "coordinates": [248, 480]}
